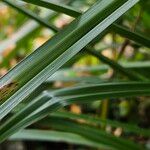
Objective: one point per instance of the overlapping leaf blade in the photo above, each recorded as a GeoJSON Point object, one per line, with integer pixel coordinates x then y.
{"type": "Point", "coordinates": [95, 120]}
{"type": "Point", "coordinates": [55, 136]}
{"type": "Point", "coordinates": [63, 97]}
{"type": "Point", "coordinates": [93, 134]}
{"type": "Point", "coordinates": [140, 39]}
{"type": "Point", "coordinates": [58, 50]}
{"type": "Point", "coordinates": [56, 7]}
{"type": "Point", "coordinates": [53, 100]}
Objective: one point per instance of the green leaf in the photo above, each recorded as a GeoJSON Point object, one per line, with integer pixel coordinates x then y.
{"type": "Point", "coordinates": [33, 70]}
{"type": "Point", "coordinates": [140, 39]}
{"type": "Point", "coordinates": [60, 75]}
{"type": "Point", "coordinates": [31, 15]}
{"type": "Point", "coordinates": [95, 120]}
{"type": "Point", "coordinates": [92, 133]}
{"type": "Point", "coordinates": [132, 75]}
{"type": "Point", "coordinates": [55, 136]}
{"type": "Point", "coordinates": [63, 97]}
{"type": "Point", "coordinates": [56, 7]}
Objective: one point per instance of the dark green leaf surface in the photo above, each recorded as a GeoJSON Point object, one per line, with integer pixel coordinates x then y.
{"type": "Point", "coordinates": [42, 63]}
{"type": "Point", "coordinates": [56, 7]}
{"type": "Point", "coordinates": [140, 39]}
{"type": "Point", "coordinates": [132, 75]}
{"type": "Point", "coordinates": [56, 136]}
{"type": "Point", "coordinates": [95, 120]}
{"type": "Point", "coordinates": [63, 97]}
{"type": "Point", "coordinates": [93, 134]}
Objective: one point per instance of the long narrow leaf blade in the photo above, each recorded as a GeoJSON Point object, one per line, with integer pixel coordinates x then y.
{"type": "Point", "coordinates": [114, 65]}
{"type": "Point", "coordinates": [31, 15]}
{"type": "Point", "coordinates": [32, 71]}
{"type": "Point", "coordinates": [74, 13]}
{"type": "Point", "coordinates": [56, 7]}
{"type": "Point", "coordinates": [55, 136]}
{"type": "Point", "coordinates": [95, 120]}
{"type": "Point", "coordinates": [61, 98]}
{"type": "Point", "coordinates": [92, 133]}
